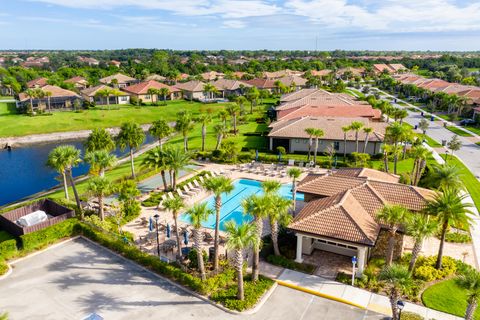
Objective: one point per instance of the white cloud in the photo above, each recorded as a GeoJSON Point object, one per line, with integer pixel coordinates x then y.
{"type": "Point", "coordinates": [233, 24]}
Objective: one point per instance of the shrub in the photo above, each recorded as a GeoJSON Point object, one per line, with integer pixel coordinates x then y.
{"type": "Point", "coordinates": [192, 257]}
{"type": "Point", "coordinates": [458, 237]}
{"type": "Point", "coordinates": [407, 315]}
{"type": "Point", "coordinates": [426, 271]}
{"type": "Point", "coordinates": [44, 237]}
{"type": "Point", "coordinates": [8, 248]}
{"type": "Point", "coordinates": [290, 264]}
{"type": "Point", "coordinates": [3, 267]}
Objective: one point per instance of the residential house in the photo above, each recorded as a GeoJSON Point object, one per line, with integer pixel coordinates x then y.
{"type": "Point", "coordinates": [93, 95]}
{"type": "Point", "coordinates": [80, 83]}
{"type": "Point", "coordinates": [282, 73]}
{"type": "Point", "coordinates": [118, 80]}
{"type": "Point", "coordinates": [349, 72]}
{"type": "Point", "coordinates": [340, 213]}
{"type": "Point", "coordinates": [141, 91]}
{"type": "Point", "coordinates": [89, 61]}
{"type": "Point", "coordinates": [37, 83]}
{"type": "Point", "coordinates": [35, 62]}
{"type": "Point", "coordinates": [192, 90]}
{"type": "Point", "coordinates": [321, 73]}
{"type": "Point", "coordinates": [262, 84]}
{"type": "Point", "coordinates": [230, 87]}
{"type": "Point", "coordinates": [156, 77]}
{"type": "Point", "coordinates": [212, 75]}
{"type": "Point", "coordinates": [291, 134]}
{"type": "Point", "coordinates": [115, 63]}
{"type": "Point", "coordinates": [55, 98]}
{"type": "Point", "coordinates": [390, 68]}
{"type": "Point", "coordinates": [294, 82]}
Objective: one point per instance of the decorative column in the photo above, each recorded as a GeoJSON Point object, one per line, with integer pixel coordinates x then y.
{"type": "Point", "coordinates": [361, 255]}
{"type": "Point", "coordinates": [299, 248]}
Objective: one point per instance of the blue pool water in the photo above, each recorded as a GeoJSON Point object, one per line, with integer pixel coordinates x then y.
{"type": "Point", "coordinates": [232, 202]}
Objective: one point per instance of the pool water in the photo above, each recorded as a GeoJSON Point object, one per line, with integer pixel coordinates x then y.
{"type": "Point", "coordinates": [232, 203]}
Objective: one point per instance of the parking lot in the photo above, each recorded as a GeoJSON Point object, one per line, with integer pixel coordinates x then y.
{"type": "Point", "coordinates": [77, 278]}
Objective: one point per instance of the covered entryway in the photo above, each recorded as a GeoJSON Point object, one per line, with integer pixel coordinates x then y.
{"type": "Point", "coordinates": [276, 142]}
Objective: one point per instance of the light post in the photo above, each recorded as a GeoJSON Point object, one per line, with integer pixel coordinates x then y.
{"type": "Point", "coordinates": [354, 262]}
{"type": "Point", "coordinates": [446, 155]}
{"type": "Point", "coordinates": [400, 306]}
{"type": "Point", "coordinates": [156, 216]}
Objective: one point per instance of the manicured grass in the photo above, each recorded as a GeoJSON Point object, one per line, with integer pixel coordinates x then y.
{"type": "Point", "coordinates": [444, 116]}
{"type": "Point", "coordinates": [401, 103]}
{"type": "Point", "coordinates": [448, 297]}
{"type": "Point", "coordinates": [355, 93]}
{"type": "Point", "coordinates": [6, 98]}
{"type": "Point", "coordinates": [431, 142]}
{"type": "Point", "coordinates": [474, 129]}
{"type": "Point", "coordinates": [459, 132]}
{"type": "Point", "coordinates": [13, 124]}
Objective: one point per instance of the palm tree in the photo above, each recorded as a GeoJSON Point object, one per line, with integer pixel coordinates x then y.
{"type": "Point", "coordinates": [164, 92]}
{"type": "Point", "coordinates": [209, 89]}
{"type": "Point", "coordinates": [65, 158]}
{"type": "Point", "coordinates": [175, 205]}
{"type": "Point", "coordinates": [48, 94]}
{"type": "Point", "coordinates": [157, 159]}
{"type": "Point", "coordinates": [176, 160]}
{"type": "Point", "coordinates": [419, 154]}
{"type": "Point", "coordinates": [419, 227]}
{"type": "Point", "coordinates": [398, 281]}
{"type": "Point", "coordinates": [470, 281]}
{"type": "Point", "coordinates": [311, 133]}
{"type": "Point", "coordinates": [197, 215]}
{"type": "Point", "coordinates": [132, 136]}
{"type": "Point", "coordinates": [218, 185]}
{"type": "Point", "coordinates": [240, 238]}
{"type": "Point", "coordinates": [356, 126]}
{"type": "Point", "coordinates": [346, 130]}
{"type": "Point", "coordinates": [271, 186]}
{"type": "Point", "coordinates": [30, 93]}
{"type": "Point", "coordinates": [446, 176]}
{"type": "Point", "coordinates": [153, 92]}
{"type": "Point", "coordinates": [318, 133]}
{"type": "Point", "coordinates": [233, 110]}
{"type": "Point", "coordinates": [221, 130]}
{"type": "Point", "coordinates": [99, 139]}
{"type": "Point", "coordinates": [294, 173]}
{"type": "Point", "coordinates": [204, 119]}
{"type": "Point", "coordinates": [100, 160]}
{"type": "Point", "coordinates": [106, 93]}
{"type": "Point", "coordinates": [395, 132]}
{"type": "Point", "coordinates": [392, 216]}
{"type": "Point", "coordinates": [223, 115]}
{"type": "Point", "coordinates": [278, 214]}
{"type": "Point", "coordinates": [184, 124]}
{"type": "Point", "coordinates": [449, 208]}
{"type": "Point", "coordinates": [160, 129]}
{"type": "Point", "coordinates": [367, 131]}
{"type": "Point", "coordinates": [99, 187]}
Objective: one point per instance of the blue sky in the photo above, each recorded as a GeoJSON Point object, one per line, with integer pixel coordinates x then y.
{"type": "Point", "coordinates": [240, 24]}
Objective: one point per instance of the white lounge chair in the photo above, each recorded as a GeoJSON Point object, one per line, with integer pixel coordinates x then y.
{"type": "Point", "coordinates": [192, 188]}
{"type": "Point", "coordinates": [181, 194]}
{"type": "Point", "coordinates": [170, 195]}
{"type": "Point", "coordinates": [202, 180]}
{"type": "Point", "coordinates": [197, 185]}
{"type": "Point", "coordinates": [188, 191]}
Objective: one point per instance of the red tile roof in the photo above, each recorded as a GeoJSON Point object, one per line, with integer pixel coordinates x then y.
{"type": "Point", "coordinates": [142, 87]}
{"type": "Point", "coordinates": [39, 82]}
{"type": "Point", "coordinates": [261, 83]}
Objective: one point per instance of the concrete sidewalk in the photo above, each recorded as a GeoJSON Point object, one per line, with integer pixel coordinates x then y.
{"type": "Point", "coordinates": [365, 299]}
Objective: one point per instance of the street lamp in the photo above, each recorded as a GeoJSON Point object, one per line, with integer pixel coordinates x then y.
{"type": "Point", "coordinates": [400, 306]}
{"type": "Point", "coordinates": [156, 216]}
{"type": "Point", "coordinates": [446, 155]}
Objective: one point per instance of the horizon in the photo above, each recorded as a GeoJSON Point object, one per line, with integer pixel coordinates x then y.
{"type": "Point", "coordinates": [310, 25]}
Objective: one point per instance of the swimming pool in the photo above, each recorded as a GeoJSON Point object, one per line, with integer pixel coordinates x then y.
{"type": "Point", "coordinates": [232, 202]}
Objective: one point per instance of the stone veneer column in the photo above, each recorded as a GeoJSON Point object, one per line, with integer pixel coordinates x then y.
{"type": "Point", "coordinates": [299, 248]}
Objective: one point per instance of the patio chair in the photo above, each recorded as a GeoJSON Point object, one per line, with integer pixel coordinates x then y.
{"type": "Point", "coordinates": [188, 191]}
{"type": "Point", "coordinates": [182, 195]}
{"type": "Point", "coordinates": [222, 240]}
{"type": "Point", "coordinates": [194, 188]}
{"type": "Point", "coordinates": [197, 185]}
{"type": "Point", "coordinates": [170, 195]}
{"type": "Point", "coordinates": [207, 237]}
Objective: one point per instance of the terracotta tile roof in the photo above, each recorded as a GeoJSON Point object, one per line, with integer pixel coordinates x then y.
{"type": "Point", "coordinates": [261, 83]}
{"type": "Point", "coordinates": [193, 86]}
{"type": "Point", "coordinates": [354, 71]}
{"type": "Point", "coordinates": [367, 173]}
{"type": "Point", "coordinates": [142, 87]}
{"type": "Point", "coordinates": [226, 84]}
{"type": "Point", "coordinates": [329, 185]}
{"type": "Point", "coordinates": [121, 78]}
{"type": "Point", "coordinates": [238, 74]}
{"type": "Point", "coordinates": [401, 194]}
{"type": "Point", "coordinates": [320, 73]}
{"type": "Point", "coordinates": [155, 77]}
{"type": "Point", "coordinates": [290, 80]}
{"type": "Point", "coordinates": [76, 79]}
{"type": "Point", "coordinates": [211, 75]}
{"type": "Point", "coordinates": [92, 91]}
{"type": "Point", "coordinates": [433, 83]}
{"type": "Point", "coordinates": [39, 82]}
{"type": "Point", "coordinates": [332, 127]}
{"type": "Point", "coordinates": [397, 66]}
{"type": "Point", "coordinates": [380, 67]}
{"type": "Point", "coordinates": [317, 97]}
{"type": "Point", "coordinates": [282, 73]}
{"type": "Point", "coordinates": [333, 111]}
{"type": "Point", "coordinates": [55, 91]}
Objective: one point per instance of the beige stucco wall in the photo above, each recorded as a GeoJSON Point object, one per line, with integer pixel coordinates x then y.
{"type": "Point", "coordinates": [301, 145]}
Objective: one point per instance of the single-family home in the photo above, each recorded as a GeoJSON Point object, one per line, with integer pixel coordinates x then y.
{"type": "Point", "coordinates": [98, 95]}
{"type": "Point", "coordinates": [340, 213]}
{"type": "Point", "coordinates": [141, 91]}
{"type": "Point", "coordinates": [115, 63]}
{"type": "Point", "coordinates": [89, 61]}
{"type": "Point", "coordinates": [294, 82]}
{"type": "Point", "coordinates": [321, 73]}
{"type": "Point", "coordinates": [156, 77]}
{"type": "Point", "coordinates": [37, 83]}
{"type": "Point", "coordinates": [212, 75]}
{"type": "Point", "coordinates": [54, 98]}
{"type": "Point", "coordinates": [282, 73]}
{"type": "Point", "coordinates": [262, 84]}
{"type": "Point", "coordinates": [192, 90]}
{"type": "Point", "coordinates": [118, 80]}
{"type": "Point", "coordinates": [228, 87]}
{"type": "Point", "coordinates": [79, 82]}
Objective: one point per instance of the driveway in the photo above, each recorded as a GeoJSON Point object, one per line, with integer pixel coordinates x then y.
{"type": "Point", "coordinates": [77, 278]}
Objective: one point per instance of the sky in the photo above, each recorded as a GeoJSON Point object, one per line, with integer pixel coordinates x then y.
{"type": "Point", "coordinates": [452, 25]}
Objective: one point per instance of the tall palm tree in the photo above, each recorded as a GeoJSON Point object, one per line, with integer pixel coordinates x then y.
{"type": "Point", "coordinates": [240, 238]}
{"type": "Point", "coordinates": [310, 132]}
{"type": "Point", "coordinates": [132, 136]}
{"type": "Point", "coordinates": [184, 124]}
{"type": "Point", "coordinates": [99, 187]}
{"type": "Point", "coordinates": [367, 131]}
{"type": "Point", "coordinates": [470, 281]}
{"type": "Point", "coordinates": [419, 227]}
{"type": "Point", "coordinates": [392, 216]}
{"type": "Point", "coordinates": [176, 160]}
{"type": "Point", "coordinates": [356, 126]}
{"type": "Point", "coordinates": [153, 92]}
{"type": "Point", "coordinates": [398, 281]}
{"type": "Point", "coordinates": [346, 130]}
{"type": "Point", "coordinates": [105, 93]}
{"type": "Point", "coordinates": [233, 110]}
{"type": "Point", "coordinates": [419, 154]}
{"type": "Point", "coordinates": [294, 173]}
{"type": "Point", "coordinates": [278, 215]}
{"type": "Point", "coordinates": [57, 160]}
{"type": "Point", "coordinates": [48, 94]}
{"type": "Point", "coordinates": [164, 92]}
{"type": "Point", "coordinates": [209, 90]}
{"type": "Point", "coordinates": [100, 160]}
{"type": "Point", "coordinates": [257, 206]}
{"type": "Point", "coordinates": [204, 119]}
{"type": "Point", "coordinates": [218, 185]}
{"type": "Point", "coordinates": [99, 139]}
{"type": "Point", "coordinates": [197, 215]}
{"type": "Point", "coordinates": [445, 176]}
{"type": "Point", "coordinates": [318, 133]}
{"type": "Point", "coordinates": [271, 186]}
{"type": "Point", "coordinates": [449, 208]}
{"type": "Point", "coordinates": [221, 130]}
{"type": "Point", "coordinates": [30, 93]}
{"type": "Point", "coordinates": [223, 115]}
{"type": "Point", "coordinates": [157, 159]}
{"type": "Point", "coordinates": [395, 132]}
{"type": "Point", "coordinates": [160, 129]}
{"type": "Point", "coordinates": [175, 205]}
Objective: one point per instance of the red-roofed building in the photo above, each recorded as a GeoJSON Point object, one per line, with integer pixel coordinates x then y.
{"type": "Point", "coordinates": [262, 84]}
{"type": "Point", "coordinates": [37, 83]}
{"type": "Point", "coordinates": [141, 91]}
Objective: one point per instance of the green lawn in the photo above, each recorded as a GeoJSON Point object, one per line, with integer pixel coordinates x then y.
{"type": "Point", "coordinates": [354, 92]}
{"type": "Point", "coordinates": [474, 129]}
{"type": "Point", "coordinates": [431, 142]}
{"type": "Point", "coordinates": [459, 132]}
{"type": "Point", "coordinates": [6, 97]}
{"type": "Point", "coordinates": [448, 297]}
{"type": "Point", "coordinates": [13, 124]}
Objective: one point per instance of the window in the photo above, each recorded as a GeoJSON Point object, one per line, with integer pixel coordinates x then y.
{"type": "Point", "coordinates": [147, 97]}
{"type": "Point", "coordinates": [297, 140]}
{"type": "Point", "coordinates": [124, 98]}
{"type": "Point", "coordinates": [336, 145]}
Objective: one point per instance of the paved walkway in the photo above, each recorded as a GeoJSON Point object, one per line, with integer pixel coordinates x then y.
{"type": "Point", "coordinates": [368, 300]}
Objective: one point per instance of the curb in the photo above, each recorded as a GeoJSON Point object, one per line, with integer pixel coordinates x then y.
{"type": "Point", "coordinates": [319, 294]}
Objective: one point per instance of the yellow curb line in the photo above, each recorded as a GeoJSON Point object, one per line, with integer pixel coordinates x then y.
{"type": "Point", "coordinates": [323, 295]}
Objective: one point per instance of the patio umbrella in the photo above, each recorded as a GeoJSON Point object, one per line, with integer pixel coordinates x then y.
{"type": "Point", "coordinates": [185, 238]}
{"type": "Point", "coordinates": [168, 230]}
{"type": "Point", "coordinates": [256, 155]}
{"type": "Point", "coordinates": [150, 224]}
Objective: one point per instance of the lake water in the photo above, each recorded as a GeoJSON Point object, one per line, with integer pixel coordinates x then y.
{"type": "Point", "coordinates": [23, 171]}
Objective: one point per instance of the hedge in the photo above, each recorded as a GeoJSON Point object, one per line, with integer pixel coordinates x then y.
{"type": "Point", "coordinates": [290, 264]}
{"type": "Point", "coordinates": [8, 249]}
{"type": "Point", "coordinates": [42, 238]}
{"type": "Point", "coordinates": [3, 267]}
